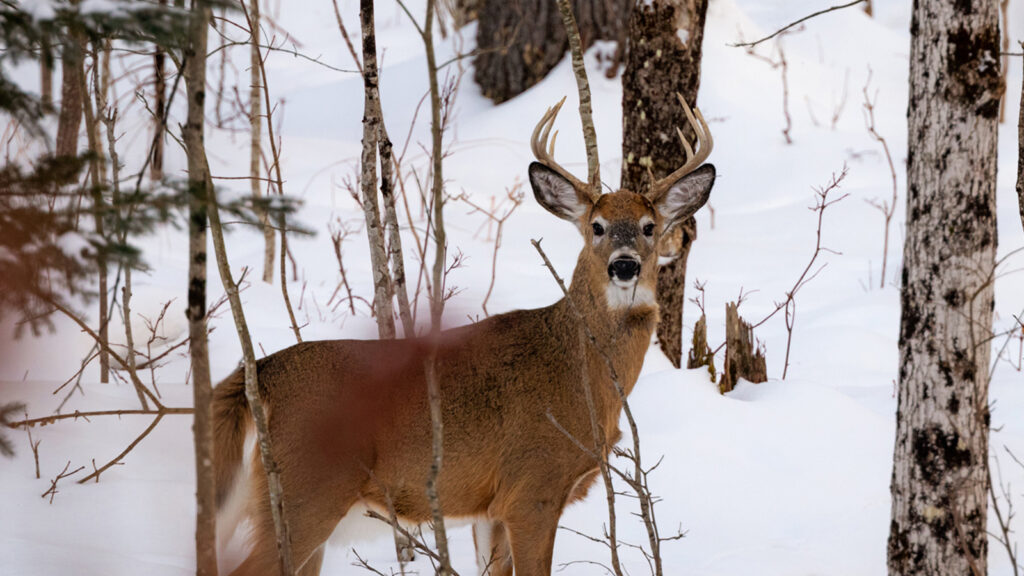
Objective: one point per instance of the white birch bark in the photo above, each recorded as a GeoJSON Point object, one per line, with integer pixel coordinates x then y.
{"type": "Point", "coordinates": [368, 178]}
{"type": "Point", "coordinates": [940, 480]}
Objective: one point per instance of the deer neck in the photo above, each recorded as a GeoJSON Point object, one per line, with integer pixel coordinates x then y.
{"type": "Point", "coordinates": [622, 331]}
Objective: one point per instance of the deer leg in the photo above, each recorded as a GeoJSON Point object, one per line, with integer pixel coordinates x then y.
{"type": "Point", "coordinates": [531, 528]}
{"type": "Point", "coordinates": [493, 554]}
{"type": "Point", "coordinates": [313, 513]}
{"type": "Point", "coordinates": [312, 567]}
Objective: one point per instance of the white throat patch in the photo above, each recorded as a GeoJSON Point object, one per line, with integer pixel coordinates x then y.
{"type": "Point", "coordinates": [622, 297]}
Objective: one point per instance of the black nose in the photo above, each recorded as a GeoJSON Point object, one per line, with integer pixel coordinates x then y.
{"type": "Point", "coordinates": [624, 268]}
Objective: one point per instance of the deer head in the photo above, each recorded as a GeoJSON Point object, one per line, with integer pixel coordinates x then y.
{"type": "Point", "coordinates": [622, 230]}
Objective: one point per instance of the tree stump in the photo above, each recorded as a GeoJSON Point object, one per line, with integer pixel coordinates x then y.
{"type": "Point", "coordinates": [742, 358]}
{"type": "Point", "coordinates": [700, 353]}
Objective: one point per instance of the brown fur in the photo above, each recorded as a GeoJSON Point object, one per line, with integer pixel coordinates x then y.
{"type": "Point", "coordinates": [349, 419]}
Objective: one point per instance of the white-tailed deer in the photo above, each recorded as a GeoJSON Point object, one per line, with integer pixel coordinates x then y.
{"type": "Point", "coordinates": [349, 419]}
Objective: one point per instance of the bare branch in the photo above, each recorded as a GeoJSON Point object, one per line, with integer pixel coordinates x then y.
{"type": "Point", "coordinates": [583, 86]}
{"type": "Point", "coordinates": [795, 23]}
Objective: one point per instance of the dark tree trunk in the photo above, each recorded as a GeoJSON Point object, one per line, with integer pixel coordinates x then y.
{"type": "Point", "coordinates": [156, 163]}
{"type": "Point", "coordinates": [659, 64]}
{"type": "Point", "coordinates": [1020, 157]}
{"type": "Point", "coordinates": [69, 123]}
{"type": "Point", "coordinates": [46, 74]}
{"type": "Point", "coordinates": [520, 41]}
{"type": "Point", "coordinates": [940, 464]}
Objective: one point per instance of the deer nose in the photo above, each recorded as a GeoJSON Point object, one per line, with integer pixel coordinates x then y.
{"type": "Point", "coordinates": [624, 268]}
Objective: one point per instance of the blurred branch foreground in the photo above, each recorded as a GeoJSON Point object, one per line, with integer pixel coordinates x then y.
{"type": "Point", "coordinates": [512, 417]}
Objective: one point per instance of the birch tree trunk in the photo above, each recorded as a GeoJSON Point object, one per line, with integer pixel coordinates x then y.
{"type": "Point", "coordinates": [665, 38]}
{"type": "Point", "coordinates": [202, 391]}
{"type": "Point", "coordinates": [256, 134]}
{"type": "Point", "coordinates": [368, 179]}
{"type": "Point", "coordinates": [940, 466]}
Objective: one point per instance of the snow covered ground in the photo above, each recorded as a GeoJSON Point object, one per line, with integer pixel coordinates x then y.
{"type": "Point", "coordinates": [782, 478]}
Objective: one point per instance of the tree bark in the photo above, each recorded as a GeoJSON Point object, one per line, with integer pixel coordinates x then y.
{"type": "Point", "coordinates": [396, 254]}
{"type": "Point", "coordinates": [368, 178]}
{"type": "Point", "coordinates": [940, 465]}
{"type": "Point", "coordinates": [98, 175]}
{"type": "Point", "coordinates": [663, 58]}
{"type": "Point", "coordinates": [156, 163]}
{"type": "Point", "coordinates": [742, 357]}
{"type": "Point", "coordinates": [202, 390]}
{"type": "Point", "coordinates": [520, 41]}
{"type": "Point", "coordinates": [69, 123]}
{"type": "Point", "coordinates": [437, 297]}
{"type": "Point", "coordinates": [46, 74]}
{"type": "Point", "coordinates": [1020, 157]}
{"type": "Point", "coordinates": [255, 138]}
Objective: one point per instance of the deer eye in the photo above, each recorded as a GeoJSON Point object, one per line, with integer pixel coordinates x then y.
{"type": "Point", "coordinates": [598, 229]}
{"type": "Point", "coordinates": [649, 229]}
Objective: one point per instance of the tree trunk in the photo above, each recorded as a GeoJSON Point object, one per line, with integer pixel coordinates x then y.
{"type": "Point", "coordinates": [202, 391]}
{"type": "Point", "coordinates": [520, 41]}
{"type": "Point", "coordinates": [466, 11]}
{"type": "Point", "coordinates": [437, 296]}
{"type": "Point", "coordinates": [256, 134]}
{"type": "Point", "coordinates": [368, 180]}
{"type": "Point", "coordinates": [69, 123]}
{"type": "Point", "coordinates": [156, 163]}
{"type": "Point", "coordinates": [46, 74]}
{"type": "Point", "coordinates": [1020, 157]}
{"type": "Point", "coordinates": [98, 175]}
{"type": "Point", "coordinates": [663, 58]}
{"type": "Point", "coordinates": [940, 465]}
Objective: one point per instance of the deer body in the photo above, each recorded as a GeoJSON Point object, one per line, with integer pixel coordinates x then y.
{"type": "Point", "coordinates": [349, 419]}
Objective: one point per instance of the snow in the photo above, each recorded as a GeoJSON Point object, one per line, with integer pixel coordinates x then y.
{"type": "Point", "coordinates": [786, 477]}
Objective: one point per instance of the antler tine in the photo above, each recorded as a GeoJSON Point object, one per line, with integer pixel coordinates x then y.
{"type": "Point", "coordinates": [704, 144]}
{"type": "Point", "coordinates": [542, 143]}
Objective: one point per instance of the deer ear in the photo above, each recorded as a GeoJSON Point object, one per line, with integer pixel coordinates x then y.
{"type": "Point", "coordinates": [687, 195]}
{"type": "Point", "coordinates": [556, 194]}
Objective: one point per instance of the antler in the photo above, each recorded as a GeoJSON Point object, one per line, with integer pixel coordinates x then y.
{"type": "Point", "coordinates": [704, 145]}
{"type": "Point", "coordinates": [544, 151]}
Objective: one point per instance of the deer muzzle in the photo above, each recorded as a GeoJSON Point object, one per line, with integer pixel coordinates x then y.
{"type": "Point", "coordinates": [623, 270]}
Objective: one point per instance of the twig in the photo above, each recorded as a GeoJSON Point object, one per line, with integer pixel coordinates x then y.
{"type": "Point", "coordinates": [515, 196]}
{"type": "Point", "coordinates": [887, 208]}
{"type": "Point", "coordinates": [796, 22]}
{"type": "Point", "coordinates": [52, 491]}
{"type": "Point", "coordinates": [338, 236]}
{"type": "Point", "coordinates": [117, 459]}
{"type": "Point", "coordinates": [822, 202]}
{"type": "Point", "coordinates": [34, 445]}
{"type": "Point", "coordinates": [783, 65]}
{"type": "Point", "coordinates": [1004, 523]}
{"type": "Point", "coordinates": [46, 420]}
{"type": "Point", "coordinates": [102, 344]}
{"type": "Point", "coordinates": [416, 542]}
